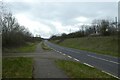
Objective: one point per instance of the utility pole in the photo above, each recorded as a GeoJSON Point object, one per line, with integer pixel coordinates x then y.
{"type": "Point", "coordinates": [70, 30]}
{"type": "Point", "coordinates": [116, 23]}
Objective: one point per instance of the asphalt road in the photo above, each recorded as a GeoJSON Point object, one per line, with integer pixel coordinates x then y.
{"type": "Point", "coordinates": [107, 64]}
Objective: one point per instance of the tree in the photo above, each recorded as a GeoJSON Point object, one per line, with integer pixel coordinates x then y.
{"type": "Point", "coordinates": [12, 33]}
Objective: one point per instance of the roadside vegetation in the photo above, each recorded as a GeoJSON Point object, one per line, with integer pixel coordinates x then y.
{"type": "Point", "coordinates": [78, 70]}
{"type": "Point", "coordinates": [45, 47]}
{"type": "Point", "coordinates": [0, 66]}
{"type": "Point", "coordinates": [15, 37]}
{"type": "Point", "coordinates": [28, 47]}
{"type": "Point", "coordinates": [102, 45]}
{"type": "Point", "coordinates": [18, 67]}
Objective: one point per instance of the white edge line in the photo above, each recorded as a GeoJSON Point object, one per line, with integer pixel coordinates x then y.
{"type": "Point", "coordinates": [69, 56]}
{"type": "Point", "coordinates": [76, 59]}
{"type": "Point", "coordinates": [88, 65]}
{"type": "Point", "coordinates": [110, 74]}
{"type": "Point", "coordinates": [55, 50]}
{"type": "Point", "coordinates": [60, 52]}
{"type": "Point", "coordinates": [64, 54]}
{"type": "Point", "coordinates": [102, 70]}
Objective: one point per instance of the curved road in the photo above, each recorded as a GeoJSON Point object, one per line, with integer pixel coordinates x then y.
{"type": "Point", "coordinates": [107, 64]}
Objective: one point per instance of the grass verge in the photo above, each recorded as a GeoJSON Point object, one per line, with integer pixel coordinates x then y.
{"type": "Point", "coordinates": [0, 66]}
{"type": "Point", "coordinates": [44, 47]}
{"type": "Point", "coordinates": [18, 67]}
{"type": "Point", "coordinates": [78, 70]}
{"type": "Point", "coordinates": [102, 45]}
{"type": "Point", "coordinates": [29, 47]}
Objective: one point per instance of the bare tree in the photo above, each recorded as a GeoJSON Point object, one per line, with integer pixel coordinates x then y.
{"type": "Point", "coordinates": [13, 34]}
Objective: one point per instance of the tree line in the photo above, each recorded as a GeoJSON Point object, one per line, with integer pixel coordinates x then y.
{"type": "Point", "coordinates": [13, 34]}
{"type": "Point", "coordinates": [98, 27]}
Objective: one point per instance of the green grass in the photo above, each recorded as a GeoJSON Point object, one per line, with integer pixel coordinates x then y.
{"type": "Point", "coordinates": [29, 47]}
{"type": "Point", "coordinates": [17, 67]}
{"type": "Point", "coordinates": [44, 47]}
{"type": "Point", "coordinates": [0, 66]}
{"type": "Point", "coordinates": [102, 45]}
{"type": "Point", "coordinates": [78, 70]}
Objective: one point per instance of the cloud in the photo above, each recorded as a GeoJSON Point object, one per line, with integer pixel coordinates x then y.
{"type": "Point", "coordinates": [62, 0]}
{"type": "Point", "coordinates": [45, 18]}
{"type": "Point", "coordinates": [81, 19]}
{"type": "Point", "coordinates": [34, 26]}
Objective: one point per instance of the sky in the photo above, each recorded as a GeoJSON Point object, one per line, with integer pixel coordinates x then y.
{"type": "Point", "coordinates": [49, 18]}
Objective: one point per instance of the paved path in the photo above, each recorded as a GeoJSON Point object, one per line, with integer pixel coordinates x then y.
{"type": "Point", "coordinates": [44, 66]}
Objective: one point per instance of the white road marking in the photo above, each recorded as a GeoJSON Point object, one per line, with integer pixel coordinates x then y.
{"type": "Point", "coordinates": [76, 59]}
{"type": "Point", "coordinates": [64, 54]}
{"type": "Point", "coordinates": [103, 59]}
{"type": "Point", "coordinates": [88, 65]}
{"type": "Point", "coordinates": [60, 52]}
{"type": "Point", "coordinates": [110, 74]}
{"type": "Point", "coordinates": [69, 56]}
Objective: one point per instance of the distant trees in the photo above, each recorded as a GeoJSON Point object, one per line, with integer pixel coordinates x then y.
{"type": "Point", "coordinates": [71, 35]}
{"type": "Point", "coordinates": [105, 28]}
{"type": "Point", "coordinates": [102, 27]}
{"type": "Point", "coordinates": [98, 28]}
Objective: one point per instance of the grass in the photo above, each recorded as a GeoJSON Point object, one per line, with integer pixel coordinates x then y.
{"type": "Point", "coordinates": [17, 67]}
{"type": "Point", "coordinates": [102, 45]}
{"type": "Point", "coordinates": [29, 47]}
{"type": "Point", "coordinates": [44, 47]}
{"type": "Point", "coordinates": [78, 70]}
{"type": "Point", "coordinates": [0, 66]}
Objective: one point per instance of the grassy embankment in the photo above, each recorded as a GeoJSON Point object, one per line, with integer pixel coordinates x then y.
{"type": "Point", "coordinates": [29, 47]}
{"type": "Point", "coordinates": [17, 67]}
{"type": "Point", "coordinates": [102, 45]}
{"type": "Point", "coordinates": [78, 70]}
{"type": "Point", "coordinates": [0, 65]}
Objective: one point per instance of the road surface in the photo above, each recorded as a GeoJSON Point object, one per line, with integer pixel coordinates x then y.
{"type": "Point", "coordinates": [107, 64]}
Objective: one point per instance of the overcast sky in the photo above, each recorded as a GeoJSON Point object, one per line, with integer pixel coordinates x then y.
{"type": "Point", "coordinates": [48, 18]}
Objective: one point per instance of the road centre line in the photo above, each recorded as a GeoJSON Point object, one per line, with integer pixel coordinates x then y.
{"type": "Point", "coordinates": [103, 59]}
{"type": "Point", "coordinates": [97, 57]}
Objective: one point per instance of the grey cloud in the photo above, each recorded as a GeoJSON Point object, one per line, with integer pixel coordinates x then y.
{"type": "Point", "coordinates": [65, 12]}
